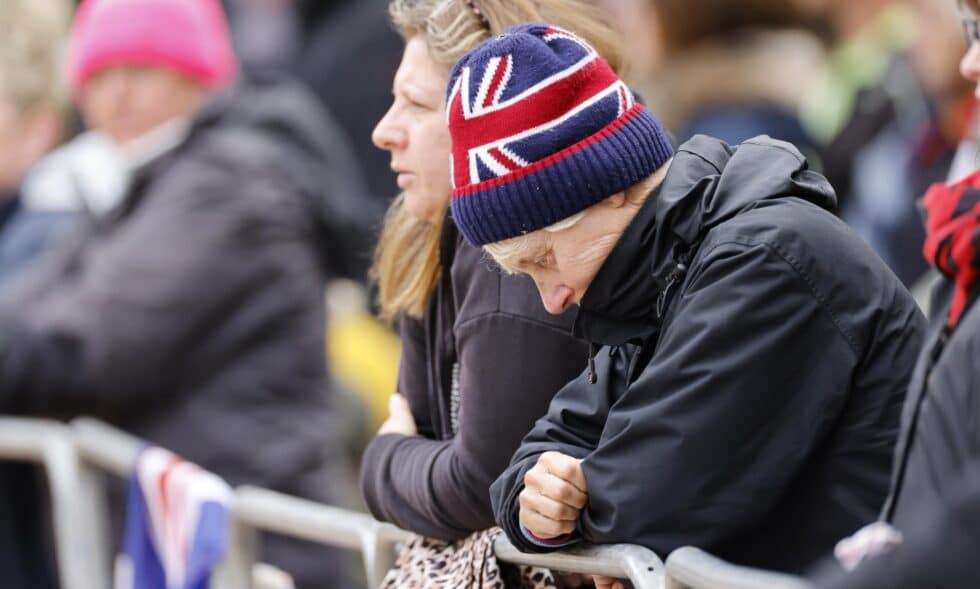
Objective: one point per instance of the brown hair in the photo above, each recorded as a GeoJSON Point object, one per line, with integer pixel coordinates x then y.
{"type": "Point", "coordinates": [972, 5]}
{"type": "Point", "coordinates": [406, 261]}
{"type": "Point", "coordinates": [686, 23]}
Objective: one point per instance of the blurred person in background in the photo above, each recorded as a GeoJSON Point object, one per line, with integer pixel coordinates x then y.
{"type": "Point", "coordinates": [32, 110]}
{"type": "Point", "coordinates": [33, 104]}
{"type": "Point", "coordinates": [734, 70]}
{"type": "Point", "coordinates": [929, 531]}
{"type": "Point", "coordinates": [192, 313]}
{"type": "Point", "coordinates": [637, 22]}
{"type": "Point", "coordinates": [348, 57]}
{"type": "Point", "coordinates": [864, 38]}
{"type": "Point", "coordinates": [467, 390]}
{"type": "Point", "coordinates": [314, 40]}
{"type": "Point", "coordinates": [905, 122]}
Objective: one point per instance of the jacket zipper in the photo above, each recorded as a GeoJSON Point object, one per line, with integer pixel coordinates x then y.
{"type": "Point", "coordinates": [675, 276]}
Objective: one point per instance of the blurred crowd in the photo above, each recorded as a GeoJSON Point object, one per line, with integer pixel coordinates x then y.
{"type": "Point", "coordinates": [192, 195]}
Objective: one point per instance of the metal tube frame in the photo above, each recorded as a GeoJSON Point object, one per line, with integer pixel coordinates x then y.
{"type": "Point", "coordinates": [81, 557]}
{"type": "Point", "coordinates": [80, 520]}
{"type": "Point", "coordinates": [693, 568]}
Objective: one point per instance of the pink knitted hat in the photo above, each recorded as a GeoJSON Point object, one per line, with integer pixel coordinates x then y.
{"type": "Point", "coordinates": [189, 36]}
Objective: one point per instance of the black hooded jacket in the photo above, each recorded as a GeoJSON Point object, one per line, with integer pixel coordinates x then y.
{"type": "Point", "coordinates": [757, 354]}
{"type": "Point", "coordinates": [193, 314]}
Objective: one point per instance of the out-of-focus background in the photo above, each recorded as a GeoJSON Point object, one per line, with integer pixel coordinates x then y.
{"type": "Point", "coordinates": [869, 90]}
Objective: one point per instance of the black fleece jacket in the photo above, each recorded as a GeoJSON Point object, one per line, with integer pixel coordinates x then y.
{"type": "Point", "coordinates": [478, 370]}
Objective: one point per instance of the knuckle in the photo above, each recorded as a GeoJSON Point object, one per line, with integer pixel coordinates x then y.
{"type": "Point", "coordinates": [565, 493]}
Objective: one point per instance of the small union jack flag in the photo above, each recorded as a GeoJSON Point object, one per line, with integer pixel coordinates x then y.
{"type": "Point", "coordinates": [505, 117]}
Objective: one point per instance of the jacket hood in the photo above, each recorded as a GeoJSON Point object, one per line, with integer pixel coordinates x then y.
{"type": "Point", "coordinates": [708, 184]}
{"type": "Point", "coordinates": [275, 124]}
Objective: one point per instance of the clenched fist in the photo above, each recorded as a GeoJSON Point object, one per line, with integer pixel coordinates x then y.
{"type": "Point", "coordinates": [554, 495]}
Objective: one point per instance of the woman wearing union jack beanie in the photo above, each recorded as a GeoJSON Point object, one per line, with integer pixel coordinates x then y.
{"type": "Point", "coordinates": [756, 351]}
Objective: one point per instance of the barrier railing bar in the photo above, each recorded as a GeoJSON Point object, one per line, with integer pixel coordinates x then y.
{"type": "Point", "coordinates": [307, 520]}
{"type": "Point", "coordinates": [80, 558]}
{"type": "Point", "coordinates": [105, 446]}
{"type": "Point", "coordinates": [692, 568]}
{"type": "Point", "coordinates": [117, 451]}
{"type": "Point", "coordinates": [640, 565]}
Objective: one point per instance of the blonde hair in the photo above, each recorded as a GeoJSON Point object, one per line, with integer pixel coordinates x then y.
{"type": "Point", "coordinates": [33, 39]}
{"type": "Point", "coordinates": [406, 261]}
{"type": "Point", "coordinates": [508, 253]}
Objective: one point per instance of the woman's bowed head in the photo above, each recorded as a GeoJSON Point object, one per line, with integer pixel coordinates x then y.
{"type": "Point", "coordinates": [552, 157]}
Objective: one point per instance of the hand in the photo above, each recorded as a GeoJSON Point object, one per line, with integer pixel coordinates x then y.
{"type": "Point", "coordinates": [554, 495]}
{"type": "Point", "coordinates": [400, 419]}
{"type": "Point", "coordinates": [607, 583]}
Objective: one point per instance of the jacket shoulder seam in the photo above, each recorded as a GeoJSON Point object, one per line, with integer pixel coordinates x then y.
{"type": "Point", "coordinates": [811, 286]}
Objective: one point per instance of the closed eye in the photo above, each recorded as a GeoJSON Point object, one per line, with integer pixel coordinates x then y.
{"type": "Point", "coordinates": [547, 260]}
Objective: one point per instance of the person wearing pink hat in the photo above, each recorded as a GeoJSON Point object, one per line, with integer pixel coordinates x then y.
{"type": "Point", "coordinates": [134, 65]}
{"type": "Point", "coordinates": [192, 312]}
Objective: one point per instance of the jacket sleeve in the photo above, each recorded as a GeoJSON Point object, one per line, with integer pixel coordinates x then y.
{"type": "Point", "coordinates": [157, 300]}
{"type": "Point", "coordinates": [572, 426]}
{"type": "Point", "coordinates": [747, 378]}
{"type": "Point", "coordinates": [440, 488]}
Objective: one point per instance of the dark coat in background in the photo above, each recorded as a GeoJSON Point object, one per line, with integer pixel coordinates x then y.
{"type": "Point", "coordinates": [193, 314]}
{"type": "Point", "coordinates": [477, 370]}
{"type": "Point", "coordinates": [349, 59]}
{"type": "Point", "coordinates": [757, 356]}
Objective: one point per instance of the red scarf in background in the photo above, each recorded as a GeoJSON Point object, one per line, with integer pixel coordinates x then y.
{"type": "Point", "coordinates": [953, 237]}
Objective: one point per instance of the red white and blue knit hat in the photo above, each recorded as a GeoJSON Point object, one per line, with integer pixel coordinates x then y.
{"type": "Point", "coordinates": [542, 129]}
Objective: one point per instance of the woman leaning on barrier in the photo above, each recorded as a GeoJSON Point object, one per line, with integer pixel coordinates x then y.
{"type": "Point", "coordinates": [481, 357]}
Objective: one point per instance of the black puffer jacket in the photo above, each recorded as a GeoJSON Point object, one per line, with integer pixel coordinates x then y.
{"type": "Point", "coordinates": [758, 356]}
{"type": "Point", "coordinates": [478, 370]}
{"type": "Point", "coordinates": [193, 316]}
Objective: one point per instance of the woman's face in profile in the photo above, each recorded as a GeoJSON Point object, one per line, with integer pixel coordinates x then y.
{"type": "Point", "coordinates": [415, 132]}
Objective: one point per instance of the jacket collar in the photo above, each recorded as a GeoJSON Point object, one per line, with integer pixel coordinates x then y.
{"type": "Point", "coordinates": [708, 183]}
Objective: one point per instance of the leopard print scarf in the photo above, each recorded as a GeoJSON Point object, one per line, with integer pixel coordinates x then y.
{"type": "Point", "coordinates": [470, 563]}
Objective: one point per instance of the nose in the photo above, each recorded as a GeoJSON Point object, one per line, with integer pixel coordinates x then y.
{"type": "Point", "coordinates": [387, 134]}
{"type": "Point", "coordinates": [970, 64]}
{"type": "Point", "coordinates": [556, 299]}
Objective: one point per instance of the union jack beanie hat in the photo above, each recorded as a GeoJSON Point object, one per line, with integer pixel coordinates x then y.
{"type": "Point", "coordinates": [542, 129]}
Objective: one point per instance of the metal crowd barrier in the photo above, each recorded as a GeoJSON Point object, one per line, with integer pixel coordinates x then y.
{"type": "Point", "coordinates": [624, 561]}
{"type": "Point", "coordinates": [692, 568]}
{"type": "Point", "coordinates": [81, 559]}
{"type": "Point", "coordinates": [83, 550]}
